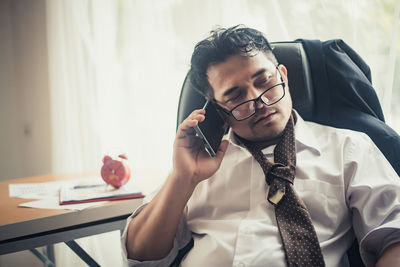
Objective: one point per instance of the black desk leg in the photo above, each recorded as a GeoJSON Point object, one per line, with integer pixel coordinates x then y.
{"type": "Point", "coordinates": [81, 253]}
{"type": "Point", "coordinates": [42, 257]}
{"type": "Point", "coordinates": [50, 253]}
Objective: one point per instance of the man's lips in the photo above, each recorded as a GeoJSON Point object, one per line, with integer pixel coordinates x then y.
{"type": "Point", "coordinates": [265, 117]}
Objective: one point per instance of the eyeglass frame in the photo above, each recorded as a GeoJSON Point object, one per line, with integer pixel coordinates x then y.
{"type": "Point", "coordinates": [255, 100]}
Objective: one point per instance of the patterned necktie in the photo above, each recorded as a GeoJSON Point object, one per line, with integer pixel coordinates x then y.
{"type": "Point", "coordinates": [298, 235]}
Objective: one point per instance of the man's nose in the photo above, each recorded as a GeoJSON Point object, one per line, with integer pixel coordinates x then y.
{"type": "Point", "coordinates": [259, 104]}
{"type": "Point", "coordinates": [255, 93]}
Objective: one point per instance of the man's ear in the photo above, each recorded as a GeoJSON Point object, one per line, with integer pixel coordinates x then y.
{"type": "Point", "coordinates": [284, 73]}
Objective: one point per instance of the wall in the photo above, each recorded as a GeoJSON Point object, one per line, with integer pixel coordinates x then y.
{"type": "Point", "coordinates": [24, 99]}
{"type": "Point", "coordinates": [24, 92]}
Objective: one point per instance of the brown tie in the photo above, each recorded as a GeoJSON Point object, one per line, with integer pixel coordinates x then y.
{"type": "Point", "coordinates": [298, 235]}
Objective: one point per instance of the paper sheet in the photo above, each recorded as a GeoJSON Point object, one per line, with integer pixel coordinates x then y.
{"type": "Point", "coordinates": [47, 189]}
{"type": "Point", "coordinates": [48, 193]}
{"type": "Point", "coordinates": [52, 203]}
{"type": "Point", "coordinates": [34, 190]}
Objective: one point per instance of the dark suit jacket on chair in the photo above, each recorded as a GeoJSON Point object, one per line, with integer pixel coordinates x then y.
{"type": "Point", "coordinates": [344, 96]}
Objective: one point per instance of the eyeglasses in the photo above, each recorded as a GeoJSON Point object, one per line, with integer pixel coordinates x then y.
{"type": "Point", "coordinates": [248, 108]}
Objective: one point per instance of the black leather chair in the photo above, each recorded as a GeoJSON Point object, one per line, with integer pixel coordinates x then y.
{"type": "Point", "coordinates": [312, 100]}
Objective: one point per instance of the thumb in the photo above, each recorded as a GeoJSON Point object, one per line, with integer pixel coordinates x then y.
{"type": "Point", "coordinates": [222, 149]}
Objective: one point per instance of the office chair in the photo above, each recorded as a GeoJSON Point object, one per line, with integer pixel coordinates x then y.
{"type": "Point", "coordinates": [329, 84]}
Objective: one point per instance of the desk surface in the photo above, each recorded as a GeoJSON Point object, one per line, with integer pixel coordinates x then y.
{"type": "Point", "coordinates": [17, 221]}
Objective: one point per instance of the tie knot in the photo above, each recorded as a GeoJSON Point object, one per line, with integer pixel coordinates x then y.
{"type": "Point", "coordinates": [279, 170]}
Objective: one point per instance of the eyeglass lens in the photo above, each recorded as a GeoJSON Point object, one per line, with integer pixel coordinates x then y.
{"type": "Point", "coordinates": [269, 97]}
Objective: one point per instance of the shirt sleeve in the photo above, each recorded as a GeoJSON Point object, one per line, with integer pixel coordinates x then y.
{"type": "Point", "coordinates": [373, 195]}
{"type": "Point", "coordinates": [182, 238]}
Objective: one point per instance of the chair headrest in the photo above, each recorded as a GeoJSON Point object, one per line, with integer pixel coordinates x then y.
{"type": "Point", "coordinates": [189, 100]}
{"type": "Point", "coordinates": [293, 56]}
{"type": "Point", "coordinates": [290, 54]}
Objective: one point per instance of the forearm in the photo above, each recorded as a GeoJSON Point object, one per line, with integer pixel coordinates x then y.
{"type": "Point", "coordinates": [390, 257]}
{"type": "Point", "coordinates": [151, 233]}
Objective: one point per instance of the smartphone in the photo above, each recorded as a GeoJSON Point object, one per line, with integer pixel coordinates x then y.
{"type": "Point", "coordinates": [212, 129]}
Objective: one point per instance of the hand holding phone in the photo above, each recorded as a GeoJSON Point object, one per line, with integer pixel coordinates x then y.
{"type": "Point", "coordinates": [190, 158]}
{"type": "Point", "coordinates": [212, 129]}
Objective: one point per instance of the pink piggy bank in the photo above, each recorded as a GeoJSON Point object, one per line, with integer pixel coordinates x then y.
{"type": "Point", "coordinates": [115, 172]}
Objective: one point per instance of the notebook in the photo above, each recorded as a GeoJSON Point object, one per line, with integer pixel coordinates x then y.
{"type": "Point", "coordinates": [83, 193]}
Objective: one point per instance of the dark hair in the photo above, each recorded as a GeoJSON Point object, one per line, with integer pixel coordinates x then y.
{"type": "Point", "coordinates": [221, 44]}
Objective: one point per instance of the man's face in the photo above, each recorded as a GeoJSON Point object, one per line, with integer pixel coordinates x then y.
{"type": "Point", "coordinates": [242, 78]}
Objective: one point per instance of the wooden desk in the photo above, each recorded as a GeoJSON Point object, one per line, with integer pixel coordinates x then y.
{"type": "Point", "coordinates": [28, 228]}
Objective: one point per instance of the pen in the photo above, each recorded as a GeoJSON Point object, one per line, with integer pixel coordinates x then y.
{"type": "Point", "coordinates": [87, 186]}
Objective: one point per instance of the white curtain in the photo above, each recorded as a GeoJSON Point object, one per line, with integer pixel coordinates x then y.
{"type": "Point", "coordinates": [87, 104]}
{"type": "Point", "coordinates": [116, 68]}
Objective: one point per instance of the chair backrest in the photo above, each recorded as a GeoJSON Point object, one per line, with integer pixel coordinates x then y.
{"type": "Point", "coordinates": [293, 56]}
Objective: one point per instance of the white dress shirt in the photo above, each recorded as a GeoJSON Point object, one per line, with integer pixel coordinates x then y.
{"type": "Point", "coordinates": [348, 186]}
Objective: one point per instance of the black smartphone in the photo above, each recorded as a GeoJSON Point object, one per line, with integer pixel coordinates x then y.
{"type": "Point", "coordinates": [212, 129]}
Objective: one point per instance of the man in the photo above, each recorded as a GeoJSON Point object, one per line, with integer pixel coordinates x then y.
{"type": "Point", "coordinates": [231, 204]}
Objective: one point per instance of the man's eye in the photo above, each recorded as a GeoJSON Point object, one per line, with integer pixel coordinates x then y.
{"type": "Point", "coordinates": [262, 82]}
{"type": "Point", "coordinates": [234, 98]}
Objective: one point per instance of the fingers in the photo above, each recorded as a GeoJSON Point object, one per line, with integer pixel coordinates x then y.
{"type": "Point", "coordinates": [186, 127]}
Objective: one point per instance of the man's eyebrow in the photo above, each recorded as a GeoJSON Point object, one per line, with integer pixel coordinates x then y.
{"type": "Point", "coordinates": [230, 90]}
{"type": "Point", "coordinates": [258, 73]}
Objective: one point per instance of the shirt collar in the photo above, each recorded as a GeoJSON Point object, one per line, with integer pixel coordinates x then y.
{"type": "Point", "coordinates": [305, 138]}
